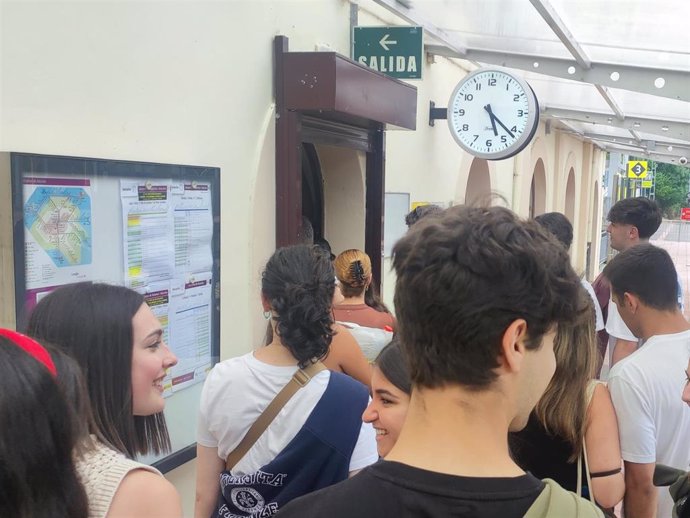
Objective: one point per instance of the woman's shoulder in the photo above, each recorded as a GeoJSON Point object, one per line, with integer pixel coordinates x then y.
{"type": "Point", "coordinates": [147, 495]}
{"type": "Point", "coordinates": [102, 471]}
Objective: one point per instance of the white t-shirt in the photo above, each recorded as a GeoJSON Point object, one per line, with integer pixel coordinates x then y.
{"type": "Point", "coordinates": [599, 316]}
{"type": "Point", "coordinates": [617, 329]}
{"type": "Point", "coordinates": [653, 421]}
{"type": "Point", "coordinates": [239, 389]}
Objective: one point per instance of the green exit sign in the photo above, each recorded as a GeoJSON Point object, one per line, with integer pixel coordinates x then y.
{"type": "Point", "coordinates": [395, 51]}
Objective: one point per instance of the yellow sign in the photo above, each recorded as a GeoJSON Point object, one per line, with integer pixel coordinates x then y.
{"type": "Point", "coordinates": [416, 204]}
{"type": "Point", "coordinates": [637, 169]}
{"type": "Point", "coordinates": [647, 184]}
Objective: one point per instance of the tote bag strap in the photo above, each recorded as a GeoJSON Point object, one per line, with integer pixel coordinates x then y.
{"type": "Point", "coordinates": [298, 380]}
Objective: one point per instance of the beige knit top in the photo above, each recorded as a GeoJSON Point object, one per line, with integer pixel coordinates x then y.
{"type": "Point", "coordinates": [101, 471]}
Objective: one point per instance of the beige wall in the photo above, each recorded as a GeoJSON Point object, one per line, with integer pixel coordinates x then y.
{"type": "Point", "coordinates": [191, 83]}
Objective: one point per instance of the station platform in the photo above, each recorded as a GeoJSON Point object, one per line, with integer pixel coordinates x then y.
{"type": "Point", "coordinates": [674, 237]}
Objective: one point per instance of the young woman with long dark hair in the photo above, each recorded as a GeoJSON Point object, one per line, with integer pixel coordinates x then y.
{"type": "Point", "coordinates": [117, 342]}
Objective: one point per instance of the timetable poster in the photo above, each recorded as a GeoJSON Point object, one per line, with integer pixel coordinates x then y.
{"type": "Point", "coordinates": [58, 234]}
{"type": "Point", "coordinates": [167, 245]}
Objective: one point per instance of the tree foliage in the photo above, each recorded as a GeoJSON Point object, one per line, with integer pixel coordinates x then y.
{"type": "Point", "coordinates": [671, 188]}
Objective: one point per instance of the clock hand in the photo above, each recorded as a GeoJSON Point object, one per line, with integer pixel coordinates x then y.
{"type": "Point", "coordinates": [492, 117]}
{"type": "Point", "coordinates": [504, 126]}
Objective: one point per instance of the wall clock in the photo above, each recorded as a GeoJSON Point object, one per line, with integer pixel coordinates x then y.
{"type": "Point", "coordinates": [493, 113]}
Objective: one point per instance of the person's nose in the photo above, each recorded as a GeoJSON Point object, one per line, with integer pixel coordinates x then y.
{"type": "Point", "coordinates": [170, 359]}
{"type": "Point", "coordinates": [370, 413]}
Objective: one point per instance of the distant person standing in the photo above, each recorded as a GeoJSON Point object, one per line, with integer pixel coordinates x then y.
{"type": "Point", "coordinates": [654, 423]}
{"type": "Point", "coordinates": [631, 221]}
{"type": "Point", "coordinates": [360, 305]}
{"type": "Point", "coordinates": [562, 229]}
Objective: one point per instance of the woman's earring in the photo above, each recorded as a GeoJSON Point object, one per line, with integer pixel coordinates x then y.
{"type": "Point", "coordinates": [268, 315]}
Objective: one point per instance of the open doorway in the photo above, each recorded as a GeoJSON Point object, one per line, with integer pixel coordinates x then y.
{"type": "Point", "coordinates": [312, 190]}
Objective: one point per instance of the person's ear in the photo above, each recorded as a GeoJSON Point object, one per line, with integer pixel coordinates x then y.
{"type": "Point", "coordinates": [513, 346]}
{"type": "Point", "coordinates": [631, 302]}
{"type": "Point", "coordinates": [634, 232]}
{"type": "Point", "coordinates": [265, 303]}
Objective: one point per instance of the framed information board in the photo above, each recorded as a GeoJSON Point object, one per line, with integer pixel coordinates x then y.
{"type": "Point", "coordinates": [152, 227]}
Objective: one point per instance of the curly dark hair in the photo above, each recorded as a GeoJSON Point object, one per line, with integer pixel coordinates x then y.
{"type": "Point", "coordinates": [298, 282]}
{"type": "Point", "coordinates": [463, 278]}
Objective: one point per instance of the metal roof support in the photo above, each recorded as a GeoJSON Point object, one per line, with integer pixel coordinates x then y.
{"type": "Point", "coordinates": [635, 135]}
{"type": "Point", "coordinates": [653, 146]}
{"type": "Point", "coordinates": [674, 129]}
{"type": "Point", "coordinates": [412, 15]}
{"type": "Point", "coordinates": [610, 101]}
{"type": "Point", "coordinates": [550, 16]}
{"type": "Point", "coordinates": [626, 77]}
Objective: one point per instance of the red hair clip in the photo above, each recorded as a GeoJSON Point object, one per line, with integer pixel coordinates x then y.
{"type": "Point", "coordinates": [32, 347]}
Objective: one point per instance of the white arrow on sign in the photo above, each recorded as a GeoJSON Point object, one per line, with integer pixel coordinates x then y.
{"type": "Point", "coordinates": [385, 42]}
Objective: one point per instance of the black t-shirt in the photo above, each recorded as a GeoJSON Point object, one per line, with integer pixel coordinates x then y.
{"type": "Point", "coordinates": [395, 489]}
{"type": "Point", "coordinates": [545, 455]}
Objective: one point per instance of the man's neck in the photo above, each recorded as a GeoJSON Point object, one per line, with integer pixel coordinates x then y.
{"type": "Point", "coordinates": [635, 242]}
{"type": "Point", "coordinates": [654, 323]}
{"type": "Point", "coordinates": [453, 431]}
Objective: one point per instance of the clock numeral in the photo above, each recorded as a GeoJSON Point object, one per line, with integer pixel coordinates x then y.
{"type": "Point", "coordinates": [521, 113]}
{"type": "Point", "coordinates": [507, 85]}
{"type": "Point", "coordinates": [492, 82]}
{"type": "Point", "coordinates": [516, 97]}
{"type": "Point", "coordinates": [489, 143]}
{"type": "Point", "coordinates": [478, 86]}
{"type": "Point", "coordinates": [465, 127]}
{"type": "Point", "coordinates": [475, 138]}
{"type": "Point", "coordinates": [469, 97]}
{"type": "Point", "coordinates": [503, 139]}
{"type": "Point", "coordinates": [513, 129]}
{"type": "Point", "coordinates": [460, 112]}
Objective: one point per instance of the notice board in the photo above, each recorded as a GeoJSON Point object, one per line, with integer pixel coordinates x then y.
{"type": "Point", "coordinates": [152, 227]}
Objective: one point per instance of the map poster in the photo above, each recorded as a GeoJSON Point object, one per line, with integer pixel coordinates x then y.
{"type": "Point", "coordinates": [57, 233]}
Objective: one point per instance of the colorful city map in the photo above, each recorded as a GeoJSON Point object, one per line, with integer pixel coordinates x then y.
{"type": "Point", "coordinates": [59, 219]}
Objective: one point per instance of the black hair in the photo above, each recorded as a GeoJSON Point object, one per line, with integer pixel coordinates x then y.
{"type": "Point", "coordinates": [647, 272]}
{"type": "Point", "coordinates": [558, 225]}
{"type": "Point", "coordinates": [305, 234]}
{"type": "Point", "coordinates": [463, 278]}
{"type": "Point", "coordinates": [71, 382]}
{"type": "Point", "coordinates": [92, 322]}
{"type": "Point", "coordinates": [326, 246]}
{"type": "Point", "coordinates": [391, 363]}
{"type": "Point", "coordinates": [642, 213]}
{"type": "Point", "coordinates": [420, 212]}
{"type": "Point", "coordinates": [38, 478]}
{"type": "Point", "coordinates": [298, 283]}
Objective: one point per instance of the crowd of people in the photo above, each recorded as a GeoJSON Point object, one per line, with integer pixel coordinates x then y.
{"type": "Point", "coordinates": [490, 393]}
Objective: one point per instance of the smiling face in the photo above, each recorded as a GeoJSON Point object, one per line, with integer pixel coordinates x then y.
{"type": "Point", "coordinates": [386, 411]}
{"type": "Point", "coordinates": [686, 390]}
{"type": "Point", "coordinates": [150, 359]}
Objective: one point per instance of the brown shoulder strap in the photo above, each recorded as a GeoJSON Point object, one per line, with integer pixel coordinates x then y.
{"type": "Point", "coordinates": [299, 380]}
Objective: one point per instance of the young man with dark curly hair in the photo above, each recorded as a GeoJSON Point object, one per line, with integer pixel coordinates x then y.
{"type": "Point", "coordinates": [479, 296]}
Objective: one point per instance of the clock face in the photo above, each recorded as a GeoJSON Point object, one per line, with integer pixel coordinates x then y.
{"type": "Point", "coordinates": [493, 114]}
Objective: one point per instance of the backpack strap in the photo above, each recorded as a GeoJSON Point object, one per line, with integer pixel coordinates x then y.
{"type": "Point", "coordinates": [298, 380]}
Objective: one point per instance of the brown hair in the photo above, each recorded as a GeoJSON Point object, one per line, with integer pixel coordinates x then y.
{"type": "Point", "coordinates": [562, 410]}
{"type": "Point", "coordinates": [353, 269]}
{"type": "Point", "coordinates": [463, 278]}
